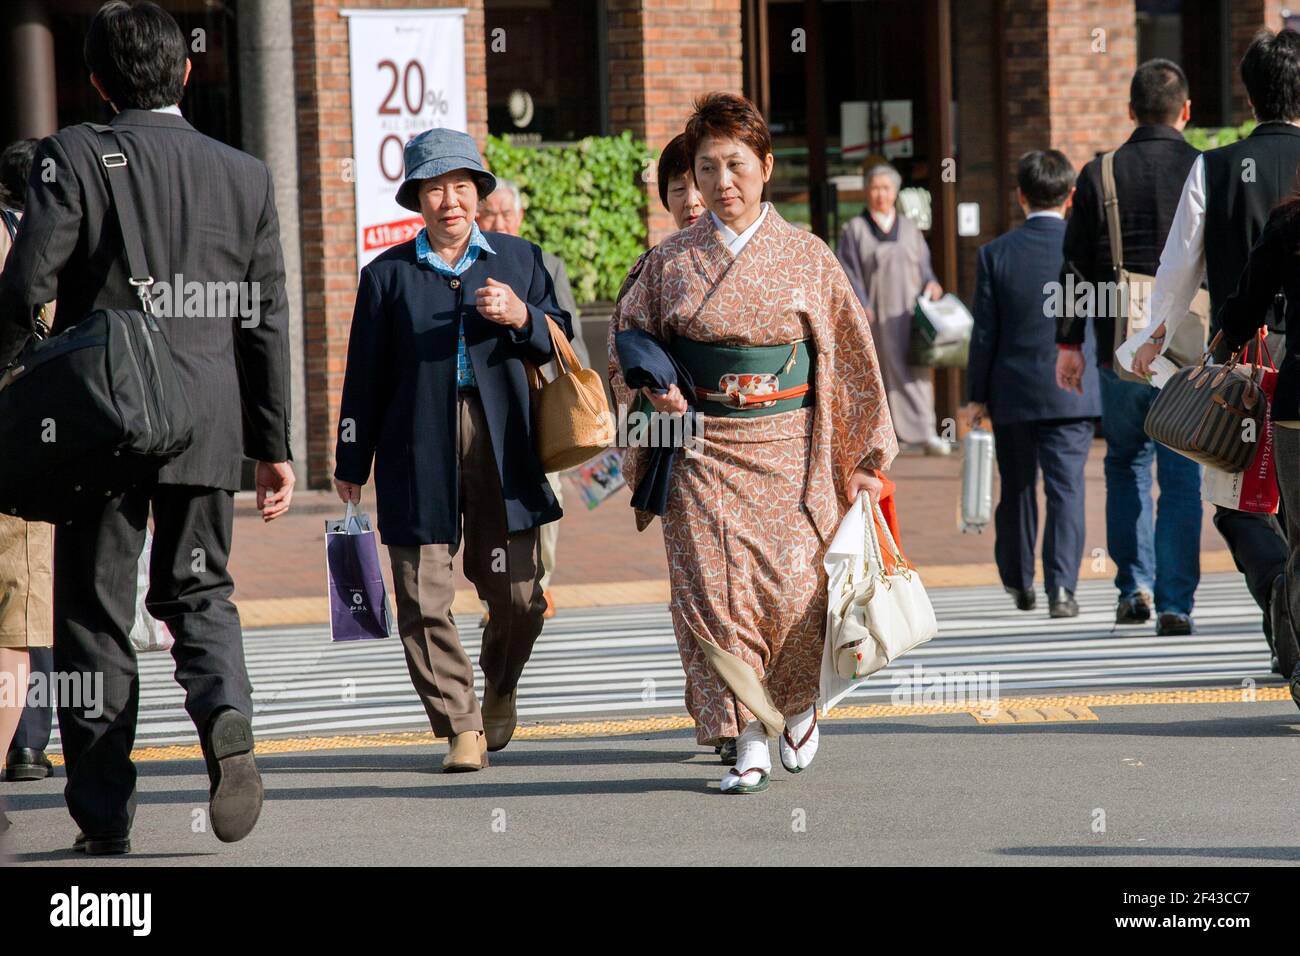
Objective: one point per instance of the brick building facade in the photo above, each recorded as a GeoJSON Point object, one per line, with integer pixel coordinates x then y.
{"type": "Point", "coordinates": [654, 70]}
{"type": "Point", "coordinates": [662, 54]}
{"type": "Point", "coordinates": [327, 211]}
{"type": "Point", "coordinates": [1022, 73]}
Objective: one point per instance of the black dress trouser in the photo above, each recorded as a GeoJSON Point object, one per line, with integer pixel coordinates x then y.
{"type": "Point", "coordinates": [94, 606]}
{"type": "Point", "coordinates": [1258, 547]}
{"type": "Point", "coordinates": [34, 726]}
{"type": "Point", "coordinates": [1059, 449]}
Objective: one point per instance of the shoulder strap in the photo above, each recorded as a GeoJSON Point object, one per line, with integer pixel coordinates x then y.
{"type": "Point", "coordinates": [1110, 199]}
{"type": "Point", "coordinates": [115, 164]}
{"type": "Point", "coordinates": [11, 222]}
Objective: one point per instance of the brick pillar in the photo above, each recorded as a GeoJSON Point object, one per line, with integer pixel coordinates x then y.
{"type": "Point", "coordinates": [1245, 19]}
{"type": "Point", "coordinates": [979, 154]}
{"type": "Point", "coordinates": [662, 54]}
{"type": "Point", "coordinates": [329, 260]}
{"type": "Point", "coordinates": [1068, 68]}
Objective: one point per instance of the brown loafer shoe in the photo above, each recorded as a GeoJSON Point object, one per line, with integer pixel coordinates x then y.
{"type": "Point", "coordinates": [500, 717]}
{"type": "Point", "coordinates": [467, 752]}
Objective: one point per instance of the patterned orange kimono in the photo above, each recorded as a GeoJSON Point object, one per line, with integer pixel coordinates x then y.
{"type": "Point", "coordinates": [752, 509]}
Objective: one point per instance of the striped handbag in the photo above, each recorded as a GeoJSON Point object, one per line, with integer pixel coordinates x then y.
{"type": "Point", "coordinates": [1213, 414]}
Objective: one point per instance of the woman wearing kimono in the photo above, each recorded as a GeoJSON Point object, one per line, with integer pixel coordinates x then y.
{"type": "Point", "coordinates": [755, 499]}
{"type": "Point", "coordinates": [888, 263]}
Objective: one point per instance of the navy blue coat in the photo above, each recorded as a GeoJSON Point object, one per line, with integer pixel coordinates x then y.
{"type": "Point", "coordinates": [1012, 366]}
{"type": "Point", "coordinates": [399, 391]}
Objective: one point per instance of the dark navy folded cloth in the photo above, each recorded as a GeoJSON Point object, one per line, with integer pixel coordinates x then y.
{"type": "Point", "coordinates": [646, 362]}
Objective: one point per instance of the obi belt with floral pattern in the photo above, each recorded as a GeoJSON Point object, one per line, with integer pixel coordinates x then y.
{"type": "Point", "coordinates": [748, 380]}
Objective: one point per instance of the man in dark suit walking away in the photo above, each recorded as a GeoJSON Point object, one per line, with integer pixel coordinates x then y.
{"type": "Point", "coordinates": [1155, 570]}
{"type": "Point", "coordinates": [208, 222]}
{"type": "Point", "coordinates": [1225, 202]}
{"type": "Point", "coordinates": [1011, 379]}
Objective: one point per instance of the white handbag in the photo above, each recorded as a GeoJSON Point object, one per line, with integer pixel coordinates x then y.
{"type": "Point", "coordinates": [875, 614]}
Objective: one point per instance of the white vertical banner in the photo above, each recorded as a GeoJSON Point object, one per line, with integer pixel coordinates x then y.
{"type": "Point", "coordinates": [408, 75]}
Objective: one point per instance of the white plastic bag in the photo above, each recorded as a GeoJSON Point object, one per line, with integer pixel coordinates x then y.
{"type": "Point", "coordinates": [147, 633]}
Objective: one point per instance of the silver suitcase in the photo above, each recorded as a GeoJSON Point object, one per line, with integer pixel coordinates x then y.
{"type": "Point", "coordinates": [976, 481]}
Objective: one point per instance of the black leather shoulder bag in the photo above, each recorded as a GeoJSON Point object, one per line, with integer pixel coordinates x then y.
{"type": "Point", "coordinates": [97, 408]}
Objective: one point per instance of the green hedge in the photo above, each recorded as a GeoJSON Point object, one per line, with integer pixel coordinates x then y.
{"type": "Point", "coordinates": [583, 202]}
{"type": "Point", "coordinates": [1208, 137]}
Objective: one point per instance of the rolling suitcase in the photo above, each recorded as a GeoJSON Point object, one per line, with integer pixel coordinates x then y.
{"type": "Point", "coordinates": [976, 481]}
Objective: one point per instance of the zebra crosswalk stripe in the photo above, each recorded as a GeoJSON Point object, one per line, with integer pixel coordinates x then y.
{"type": "Point", "coordinates": [622, 661]}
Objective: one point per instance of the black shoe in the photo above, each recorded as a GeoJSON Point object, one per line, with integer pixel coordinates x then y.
{"type": "Point", "coordinates": [1061, 603]}
{"type": "Point", "coordinates": [101, 846]}
{"type": "Point", "coordinates": [1025, 600]}
{"type": "Point", "coordinates": [1173, 624]}
{"type": "Point", "coordinates": [1133, 610]}
{"type": "Point", "coordinates": [1285, 650]}
{"type": "Point", "coordinates": [25, 764]}
{"type": "Point", "coordinates": [727, 752]}
{"type": "Point", "coordinates": [236, 793]}
{"type": "Point", "coordinates": [1295, 685]}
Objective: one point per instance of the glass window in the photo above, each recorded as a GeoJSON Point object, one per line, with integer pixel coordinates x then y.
{"type": "Point", "coordinates": [546, 84]}
{"type": "Point", "coordinates": [211, 101]}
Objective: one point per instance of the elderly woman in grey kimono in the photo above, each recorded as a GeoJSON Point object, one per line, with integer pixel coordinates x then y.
{"type": "Point", "coordinates": [888, 264]}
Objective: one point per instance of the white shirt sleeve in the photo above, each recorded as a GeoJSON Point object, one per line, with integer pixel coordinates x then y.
{"type": "Point", "coordinates": [1182, 263]}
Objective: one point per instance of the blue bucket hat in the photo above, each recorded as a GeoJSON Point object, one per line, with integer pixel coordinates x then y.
{"type": "Point", "coordinates": [438, 151]}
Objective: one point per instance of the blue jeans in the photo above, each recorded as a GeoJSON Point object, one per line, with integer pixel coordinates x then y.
{"type": "Point", "coordinates": [1155, 550]}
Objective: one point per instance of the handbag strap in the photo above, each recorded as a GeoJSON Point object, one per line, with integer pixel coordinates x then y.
{"type": "Point", "coordinates": [873, 517]}
{"type": "Point", "coordinates": [565, 357]}
{"type": "Point", "coordinates": [1261, 350]}
{"type": "Point", "coordinates": [1110, 202]}
{"type": "Point", "coordinates": [899, 560]}
{"type": "Point", "coordinates": [871, 538]}
{"type": "Point", "coordinates": [115, 164]}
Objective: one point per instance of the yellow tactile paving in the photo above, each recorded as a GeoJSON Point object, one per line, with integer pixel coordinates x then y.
{"type": "Point", "coordinates": [1033, 715]}
{"type": "Point", "coordinates": [283, 612]}
{"type": "Point", "coordinates": [1078, 707]}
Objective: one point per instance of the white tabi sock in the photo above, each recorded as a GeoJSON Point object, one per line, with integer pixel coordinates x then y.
{"type": "Point", "coordinates": [753, 752]}
{"type": "Point", "coordinates": [795, 756]}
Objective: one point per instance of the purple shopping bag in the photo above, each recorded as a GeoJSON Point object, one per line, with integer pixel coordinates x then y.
{"type": "Point", "coordinates": [358, 598]}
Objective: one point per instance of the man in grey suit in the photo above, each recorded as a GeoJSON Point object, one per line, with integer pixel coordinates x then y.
{"type": "Point", "coordinates": [503, 211]}
{"type": "Point", "coordinates": [208, 222]}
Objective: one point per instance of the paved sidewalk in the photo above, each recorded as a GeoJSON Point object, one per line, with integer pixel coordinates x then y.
{"type": "Point", "coordinates": [279, 569]}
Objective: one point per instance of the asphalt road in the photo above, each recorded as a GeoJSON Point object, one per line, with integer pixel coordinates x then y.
{"type": "Point", "coordinates": [1172, 784]}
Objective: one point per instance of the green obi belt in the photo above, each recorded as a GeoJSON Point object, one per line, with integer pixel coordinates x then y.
{"type": "Point", "coordinates": [748, 381]}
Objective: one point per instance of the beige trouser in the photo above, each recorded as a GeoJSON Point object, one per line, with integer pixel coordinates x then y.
{"type": "Point", "coordinates": [26, 583]}
{"type": "Point", "coordinates": [549, 533]}
{"type": "Point", "coordinates": [503, 567]}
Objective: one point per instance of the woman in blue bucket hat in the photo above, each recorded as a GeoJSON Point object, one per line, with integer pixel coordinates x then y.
{"type": "Point", "coordinates": [435, 394]}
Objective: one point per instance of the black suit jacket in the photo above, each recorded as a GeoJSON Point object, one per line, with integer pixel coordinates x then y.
{"type": "Point", "coordinates": [208, 216]}
{"type": "Point", "coordinates": [1012, 366]}
{"type": "Point", "coordinates": [1243, 182]}
{"type": "Point", "coordinates": [1150, 169]}
{"type": "Point", "coordinates": [1271, 266]}
{"type": "Point", "coordinates": [399, 406]}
